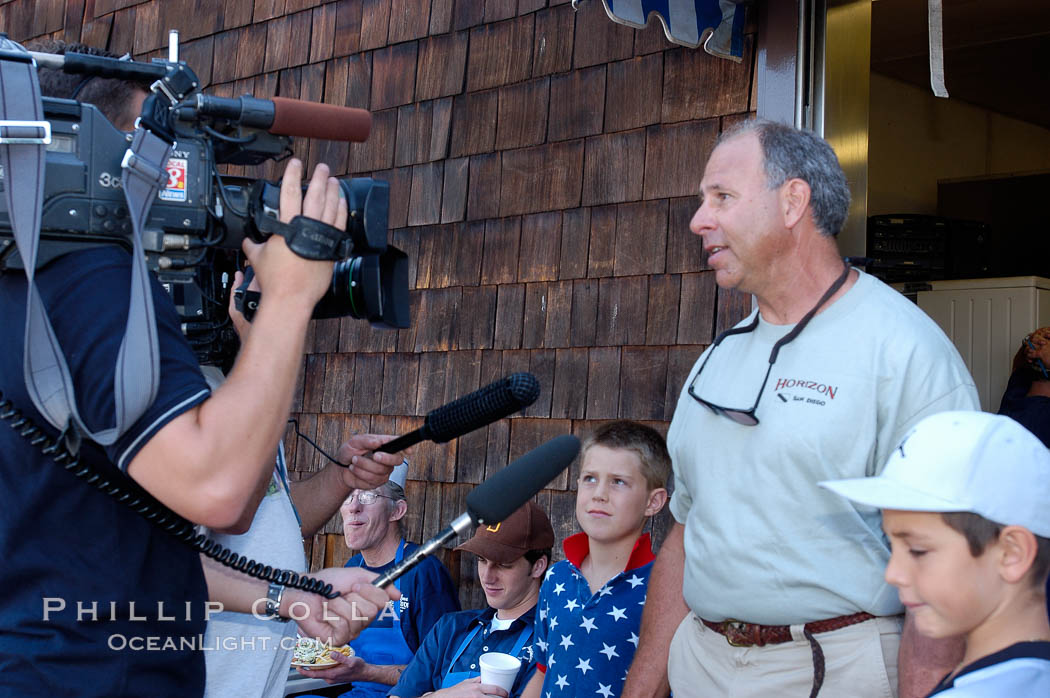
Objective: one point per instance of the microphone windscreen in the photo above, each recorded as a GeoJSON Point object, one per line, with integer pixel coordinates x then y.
{"type": "Point", "coordinates": [296, 117]}
{"type": "Point", "coordinates": [485, 406]}
{"type": "Point", "coordinates": [505, 492]}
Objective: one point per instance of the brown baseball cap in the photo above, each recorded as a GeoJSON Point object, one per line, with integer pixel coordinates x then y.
{"type": "Point", "coordinates": [526, 529]}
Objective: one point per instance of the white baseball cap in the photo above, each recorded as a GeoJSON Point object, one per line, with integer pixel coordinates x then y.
{"type": "Point", "coordinates": [976, 462]}
{"type": "Point", "coordinates": [399, 475]}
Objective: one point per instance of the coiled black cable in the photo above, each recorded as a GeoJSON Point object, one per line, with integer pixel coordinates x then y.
{"type": "Point", "coordinates": [129, 492]}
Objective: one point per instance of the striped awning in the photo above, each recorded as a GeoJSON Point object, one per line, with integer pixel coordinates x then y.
{"type": "Point", "coordinates": [717, 25]}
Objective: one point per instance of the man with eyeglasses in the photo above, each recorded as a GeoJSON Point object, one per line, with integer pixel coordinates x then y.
{"type": "Point", "coordinates": [372, 525]}
{"type": "Point", "coordinates": [766, 586]}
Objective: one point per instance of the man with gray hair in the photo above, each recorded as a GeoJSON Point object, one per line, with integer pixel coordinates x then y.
{"type": "Point", "coordinates": [766, 585]}
{"type": "Point", "coordinates": [372, 525]}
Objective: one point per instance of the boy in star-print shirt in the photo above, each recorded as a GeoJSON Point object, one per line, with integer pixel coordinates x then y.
{"type": "Point", "coordinates": [590, 606]}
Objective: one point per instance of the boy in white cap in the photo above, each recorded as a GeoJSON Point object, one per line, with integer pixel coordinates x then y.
{"type": "Point", "coordinates": [966, 506]}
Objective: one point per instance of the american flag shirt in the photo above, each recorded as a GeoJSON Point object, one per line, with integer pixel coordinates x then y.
{"type": "Point", "coordinates": [584, 642]}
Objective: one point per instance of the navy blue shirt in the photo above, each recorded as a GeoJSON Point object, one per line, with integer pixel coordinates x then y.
{"type": "Point", "coordinates": [64, 543]}
{"type": "Point", "coordinates": [427, 593]}
{"type": "Point", "coordinates": [433, 660]}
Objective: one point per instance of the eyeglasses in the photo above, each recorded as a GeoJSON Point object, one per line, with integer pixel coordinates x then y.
{"type": "Point", "coordinates": [1038, 363]}
{"type": "Point", "coordinates": [366, 497]}
{"type": "Point", "coordinates": [746, 417]}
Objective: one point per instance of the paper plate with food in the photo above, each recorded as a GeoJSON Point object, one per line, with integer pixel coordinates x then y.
{"type": "Point", "coordinates": [314, 654]}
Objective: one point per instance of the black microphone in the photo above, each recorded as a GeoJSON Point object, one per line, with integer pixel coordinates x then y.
{"type": "Point", "coordinates": [498, 497]}
{"type": "Point", "coordinates": [480, 408]}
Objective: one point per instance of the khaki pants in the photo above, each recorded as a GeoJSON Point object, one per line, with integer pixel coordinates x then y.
{"type": "Point", "coordinates": [860, 661]}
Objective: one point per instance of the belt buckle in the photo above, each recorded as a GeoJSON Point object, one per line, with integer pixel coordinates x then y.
{"type": "Point", "coordinates": [734, 633]}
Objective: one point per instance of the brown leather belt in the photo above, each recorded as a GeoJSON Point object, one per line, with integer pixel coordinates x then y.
{"type": "Point", "coordinates": [741, 634]}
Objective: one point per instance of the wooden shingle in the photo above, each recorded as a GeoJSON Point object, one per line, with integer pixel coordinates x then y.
{"type": "Point", "coordinates": [674, 157]}
{"type": "Point", "coordinates": [468, 245]}
{"type": "Point", "coordinates": [267, 9]}
{"type": "Point", "coordinates": [501, 253]}
{"type": "Point", "coordinates": [685, 251]}
{"type": "Point", "coordinates": [347, 39]}
{"type": "Point", "coordinates": [621, 310]}
{"type": "Point", "coordinates": [441, 16]}
{"type": "Point", "coordinates": [651, 39]}
{"type": "Point", "coordinates": [375, 22]}
{"type": "Point", "coordinates": [435, 321]}
{"type": "Point", "coordinates": [544, 178]}
{"type": "Point", "coordinates": [602, 245]}
{"type": "Point", "coordinates": [733, 306]}
{"type": "Point", "coordinates": [696, 315]}
{"type": "Point", "coordinates": [515, 361]}
{"type": "Point", "coordinates": [540, 247]}
{"type": "Point", "coordinates": [527, 434]}
{"type": "Point", "coordinates": [661, 326]}
{"type": "Point", "coordinates": [474, 123]}
{"type": "Point", "coordinates": [425, 203]}
{"type": "Point", "coordinates": [541, 365]}
{"type": "Point", "coordinates": [199, 55]}
{"type": "Point", "coordinates": [467, 13]}
{"type": "Point", "coordinates": [434, 257]}
{"type": "Point", "coordinates": [680, 360]}
{"type": "Point", "coordinates": [641, 238]}
{"type": "Point", "coordinates": [497, 10]}
{"type": "Point", "coordinates": [633, 93]}
{"type": "Point", "coordinates": [535, 320]}
{"type": "Point", "coordinates": [338, 383]}
{"type": "Point", "coordinates": [322, 36]}
{"type": "Point", "coordinates": [414, 123]}
{"type": "Point", "coordinates": [603, 382]}
{"type": "Point", "coordinates": [441, 66]}
{"type": "Point", "coordinates": [237, 13]}
{"type": "Point", "coordinates": [614, 169]}
{"type": "Point", "coordinates": [644, 373]}
{"type": "Point", "coordinates": [409, 19]}
{"type": "Point", "coordinates": [483, 193]}
{"type": "Point", "coordinates": [575, 240]}
{"type": "Point", "coordinates": [359, 83]}
{"type": "Point", "coordinates": [121, 35]}
{"type": "Point", "coordinates": [368, 383]}
{"type": "Point", "coordinates": [287, 41]}
{"type": "Point", "coordinates": [577, 104]}
{"type": "Point", "coordinates": [559, 315]}
{"type": "Point", "coordinates": [526, 6]}
{"type": "Point", "coordinates": [400, 181]}
{"type": "Point", "coordinates": [357, 335]}
{"type": "Point", "coordinates": [393, 75]}
{"type": "Point", "coordinates": [324, 336]}
{"type": "Point", "coordinates": [552, 46]}
{"type": "Point", "coordinates": [569, 395]}
{"type": "Point", "coordinates": [522, 114]}
{"type": "Point", "coordinates": [698, 85]}
{"type": "Point", "coordinates": [510, 304]}
{"type": "Point", "coordinates": [599, 40]}
{"type": "Point", "coordinates": [584, 312]}
{"type": "Point", "coordinates": [313, 379]}
{"type": "Point", "coordinates": [500, 53]}
{"type": "Point", "coordinates": [475, 327]}
{"type": "Point", "coordinates": [454, 190]}
{"type": "Point", "coordinates": [377, 152]}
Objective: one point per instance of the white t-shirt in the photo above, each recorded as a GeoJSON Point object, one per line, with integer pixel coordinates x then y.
{"type": "Point", "coordinates": [765, 544]}
{"type": "Point", "coordinates": [249, 656]}
{"type": "Point", "coordinates": [1019, 671]}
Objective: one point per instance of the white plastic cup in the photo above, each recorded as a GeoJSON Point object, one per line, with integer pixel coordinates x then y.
{"type": "Point", "coordinates": [499, 669]}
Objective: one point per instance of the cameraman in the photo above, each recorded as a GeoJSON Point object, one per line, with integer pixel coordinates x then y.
{"type": "Point", "coordinates": [120, 607]}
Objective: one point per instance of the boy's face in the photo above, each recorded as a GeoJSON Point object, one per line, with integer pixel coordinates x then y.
{"type": "Point", "coordinates": [508, 586]}
{"type": "Point", "coordinates": [948, 590]}
{"type": "Point", "coordinates": [613, 498]}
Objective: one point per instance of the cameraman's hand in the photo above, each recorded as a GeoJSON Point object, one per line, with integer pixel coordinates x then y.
{"type": "Point", "coordinates": [366, 469]}
{"type": "Point", "coordinates": [283, 274]}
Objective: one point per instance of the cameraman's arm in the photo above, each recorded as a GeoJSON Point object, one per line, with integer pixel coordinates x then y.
{"type": "Point", "coordinates": [207, 463]}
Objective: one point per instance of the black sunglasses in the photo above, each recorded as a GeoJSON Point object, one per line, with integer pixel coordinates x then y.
{"type": "Point", "coordinates": [740, 415]}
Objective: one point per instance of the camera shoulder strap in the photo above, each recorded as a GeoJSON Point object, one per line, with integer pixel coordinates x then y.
{"type": "Point", "coordinates": [23, 136]}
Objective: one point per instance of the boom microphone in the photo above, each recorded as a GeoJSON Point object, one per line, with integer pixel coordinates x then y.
{"type": "Point", "coordinates": [498, 497]}
{"type": "Point", "coordinates": [480, 408]}
{"type": "Point", "coordinates": [290, 117]}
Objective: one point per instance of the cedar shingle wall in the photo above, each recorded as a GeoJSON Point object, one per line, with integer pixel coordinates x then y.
{"type": "Point", "coordinates": [543, 165]}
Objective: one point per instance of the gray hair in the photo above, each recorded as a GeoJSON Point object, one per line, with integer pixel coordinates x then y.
{"type": "Point", "coordinates": [790, 153]}
{"type": "Point", "coordinates": [394, 491]}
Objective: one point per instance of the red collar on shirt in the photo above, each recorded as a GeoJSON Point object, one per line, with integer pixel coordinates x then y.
{"type": "Point", "coordinates": [578, 546]}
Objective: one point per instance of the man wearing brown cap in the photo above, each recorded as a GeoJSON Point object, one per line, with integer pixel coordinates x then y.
{"type": "Point", "coordinates": [512, 559]}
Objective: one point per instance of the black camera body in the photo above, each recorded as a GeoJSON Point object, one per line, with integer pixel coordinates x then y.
{"type": "Point", "coordinates": [195, 227]}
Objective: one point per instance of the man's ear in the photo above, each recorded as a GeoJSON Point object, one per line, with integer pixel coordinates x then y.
{"type": "Point", "coordinates": [657, 499]}
{"type": "Point", "coordinates": [539, 567]}
{"type": "Point", "coordinates": [399, 510]}
{"type": "Point", "coordinates": [1017, 551]}
{"type": "Point", "coordinates": [794, 201]}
